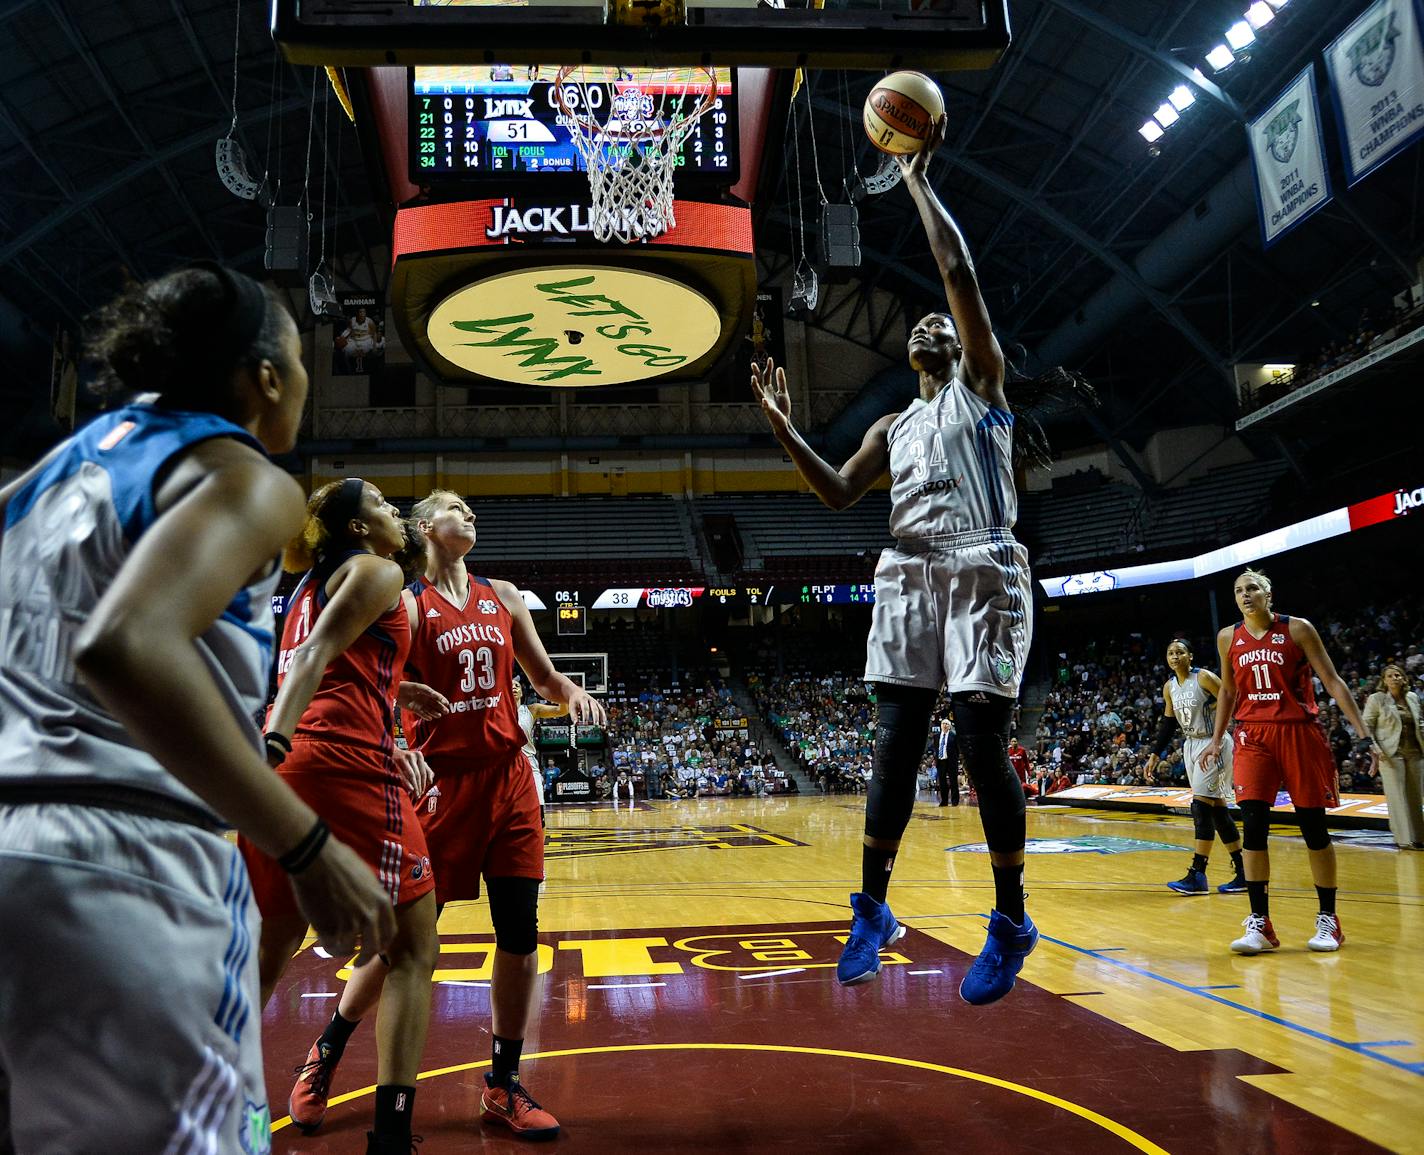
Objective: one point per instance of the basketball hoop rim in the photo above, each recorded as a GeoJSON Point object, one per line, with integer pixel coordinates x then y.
{"type": "Point", "coordinates": [592, 128]}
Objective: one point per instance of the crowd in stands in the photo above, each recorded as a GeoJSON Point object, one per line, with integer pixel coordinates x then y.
{"type": "Point", "coordinates": [1373, 330]}
{"type": "Point", "coordinates": [682, 741]}
{"type": "Point", "coordinates": [825, 721]}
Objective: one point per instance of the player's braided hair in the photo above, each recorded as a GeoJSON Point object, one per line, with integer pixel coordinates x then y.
{"type": "Point", "coordinates": [316, 536]}
{"type": "Point", "coordinates": [1034, 399]}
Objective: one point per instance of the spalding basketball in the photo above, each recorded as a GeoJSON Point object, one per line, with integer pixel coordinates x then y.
{"type": "Point", "coordinates": [900, 112]}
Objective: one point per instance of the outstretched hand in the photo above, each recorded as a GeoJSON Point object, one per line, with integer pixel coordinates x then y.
{"type": "Point", "coordinates": [916, 164]}
{"type": "Point", "coordinates": [769, 385]}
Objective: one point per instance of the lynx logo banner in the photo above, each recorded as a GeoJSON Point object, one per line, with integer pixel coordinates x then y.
{"type": "Point", "coordinates": [1376, 71]}
{"type": "Point", "coordinates": [1289, 154]}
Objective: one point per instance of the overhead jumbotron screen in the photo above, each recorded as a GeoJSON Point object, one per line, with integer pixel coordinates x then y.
{"type": "Point", "coordinates": [501, 120]}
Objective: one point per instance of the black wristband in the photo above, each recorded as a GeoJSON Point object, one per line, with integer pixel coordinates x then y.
{"type": "Point", "coordinates": [304, 853]}
{"type": "Point", "coordinates": [275, 738]}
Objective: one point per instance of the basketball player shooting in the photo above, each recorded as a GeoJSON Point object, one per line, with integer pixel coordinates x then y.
{"type": "Point", "coordinates": [952, 597]}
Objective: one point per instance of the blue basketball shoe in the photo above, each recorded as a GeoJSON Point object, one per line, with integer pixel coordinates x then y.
{"type": "Point", "coordinates": [1193, 882]}
{"type": "Point", "coordinates": [993, 973]}
{"type": "Point", "coordinates": [871, 928]}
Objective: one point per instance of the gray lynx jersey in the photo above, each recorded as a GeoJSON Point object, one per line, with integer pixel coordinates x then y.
{"type": "Point", "coordinates": [67, 533]}
{"type": "Point", "coordinates": [1192, 706]}
{"type": "Point", "coordinates": [951, 466]}
{"type": "Point", "coordinates": [526, 724]}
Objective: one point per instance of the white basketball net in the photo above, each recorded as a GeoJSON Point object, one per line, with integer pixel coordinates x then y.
{"type": "Point", "coordinates": [629, 138]}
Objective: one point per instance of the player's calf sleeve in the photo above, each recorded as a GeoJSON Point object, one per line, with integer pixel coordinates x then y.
{"type": "Point", "coordinates": [982, 721]}
{"type": "Point", "coordinates": [1202, 820]}
{"type": "Point", "coordinates": [1312, 826]}
{"type": "Point", "coordinates": [1225, 827]}
{"type": "Point", "coordinates": [902, 727]}
{"type": "Point", "coordinates": [514, 910]}
{"type": "Point", "coordinates": [1256, 824]}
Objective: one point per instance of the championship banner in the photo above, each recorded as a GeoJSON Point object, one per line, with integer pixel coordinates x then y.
{"type": "Point", "coordinates": [1376, 71]}
{"type": "Point", "coordinates": [1288, 151]}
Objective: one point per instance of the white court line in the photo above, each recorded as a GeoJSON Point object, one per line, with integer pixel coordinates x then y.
{"type": "Point", "coordinates": [323, 995]}
{"type": "Point", "coordinates": [320, 952]}
{"type": "Point", "coordinates": [772, 974]}
{"type": "Point", "coordinates": [620, 986]}
{"type": "Point", "coordinates": [922, 972]}
{"type": "Point", "coordinates": [461, 983]}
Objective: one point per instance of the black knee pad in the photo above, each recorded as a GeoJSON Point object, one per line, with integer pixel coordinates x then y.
{"type": "Point", "coordinates": [1256, 819]}
{"type": "Point", "coordinates": [902, 730]}
{"type": "Point", "coordinates": [1225, 827]}
{"type": "Point", "coordinates": [1202, 822]}
{"type": "Point", "coordinates": [514, 910]}
{"type": "Point", "coordinates": [1312, 826]}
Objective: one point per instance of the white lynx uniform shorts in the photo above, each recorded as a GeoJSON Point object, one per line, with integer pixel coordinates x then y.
{"type": "Point", "coordinates": [129, 1016]}
{"type": "Point", "coordinates": [1214, 782]}
{"type": "Point", "coordinates": [954, 611]}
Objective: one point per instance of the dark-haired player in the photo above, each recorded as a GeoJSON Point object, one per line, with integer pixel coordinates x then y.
{"type": "Point", "coordinates": [1187, 698]}
{"type": "Point", "coordinates": [136, 630]}
{"type": "Point", "coordinates": [952, 597]}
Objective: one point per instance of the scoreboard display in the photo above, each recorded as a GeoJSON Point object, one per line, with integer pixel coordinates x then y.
{"type": "Point", "coordinates": [572, 620]}
{"type": "Point", "coordinates": [504, 121]}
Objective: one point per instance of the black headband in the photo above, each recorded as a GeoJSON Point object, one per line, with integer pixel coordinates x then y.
{"type": "Point", "coordinates": [342, 505]}
{"type": "Point", "coordinates": [244, 310]}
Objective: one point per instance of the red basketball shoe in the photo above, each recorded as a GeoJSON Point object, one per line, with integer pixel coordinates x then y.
{"type": "Point", "coordinates": [516, 1109]}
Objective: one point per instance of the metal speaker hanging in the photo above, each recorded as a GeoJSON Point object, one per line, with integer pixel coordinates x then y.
{"type": "Point", "coordinates": [233, 172]}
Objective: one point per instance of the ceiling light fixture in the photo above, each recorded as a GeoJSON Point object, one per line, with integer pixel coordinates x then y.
{"type": "Point", "coordinates": [1239, 36]}
{"type": "Point", "coordinates": [1259, 14]}
{"type": "Point", "coordinates": [1182, 98]}
{"type": "Point", "coordinates": [1166, 115]}
{"type": "Point", "coordinates": [1221, 57]}
{"type": "Point", "coordinates": [1151, 131]}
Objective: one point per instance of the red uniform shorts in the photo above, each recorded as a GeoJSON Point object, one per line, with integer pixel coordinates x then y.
{"type": "Point", "coordinates": [486, 820]}
{"type": "Point", "coordinates": [362, 798]}
{"type": "Point", "coordinates": [1268, 755]}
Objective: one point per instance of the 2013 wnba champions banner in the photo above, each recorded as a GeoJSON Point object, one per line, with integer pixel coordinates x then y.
{"type": "Point", "coordinates": [1288, 149]}
{"type": "Point", "coordinates": [1377, 77]}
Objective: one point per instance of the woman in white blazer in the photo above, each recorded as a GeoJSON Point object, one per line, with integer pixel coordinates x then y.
{"type": "Point", "coordinates": [1392, 716]}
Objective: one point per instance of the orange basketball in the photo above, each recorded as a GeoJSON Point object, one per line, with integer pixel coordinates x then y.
{"type": "Point", "coordinates": [900, 112]}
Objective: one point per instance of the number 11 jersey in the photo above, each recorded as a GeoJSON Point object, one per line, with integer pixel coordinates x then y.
{"type": "Point", "coordinates": [1273, 677]}
{"type": "Point", "coordinates": [467, 653]}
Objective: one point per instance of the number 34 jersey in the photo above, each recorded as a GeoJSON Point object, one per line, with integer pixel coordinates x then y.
{"type": "Point", "coordinates": [1273, 676]}
{"type": "Point", "coordinates": [467, 653]}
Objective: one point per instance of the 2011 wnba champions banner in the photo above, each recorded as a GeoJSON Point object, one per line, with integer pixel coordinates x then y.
{"type": "Point", "coordinates": [1377, 77]}
{"type": "Point", "coordinates": [1288, 149]}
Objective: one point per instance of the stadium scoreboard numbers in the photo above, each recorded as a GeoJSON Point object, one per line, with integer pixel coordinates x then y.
{"type": "Point", "coordinates": [497, 120]}
{"type": "Point", "coordinates": [572, 619]}
{"type": "Point", "coordinates": [838, 594]}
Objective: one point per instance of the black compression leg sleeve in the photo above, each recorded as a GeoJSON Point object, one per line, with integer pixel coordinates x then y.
{"type": "Point", "coordinates": [514, 910]}
{"type": "Point", "coordinates": [982, 722]}
{"type": "Point", "coordinates": [902, 731]}
{"type": "Point", "coordinates": [1312, 826]}
{"type": "Point", "coordinates": [1202, 822]}
{"type": "Point", "coordinates": [1225, 827]}
{"type": "Point", "coordinates": [1256, 819]}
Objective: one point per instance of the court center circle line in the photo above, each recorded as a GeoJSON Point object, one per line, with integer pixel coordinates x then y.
{"type": "Point", "coordinates": [1141, 1142]}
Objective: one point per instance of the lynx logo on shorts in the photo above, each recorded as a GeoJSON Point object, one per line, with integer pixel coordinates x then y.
{"type": "Point", "coordinates": [1003, 666]}
{"type": "Point", "coordinates": [256, 1133]}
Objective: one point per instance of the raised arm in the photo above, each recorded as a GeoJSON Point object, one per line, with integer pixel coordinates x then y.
{"type": "Point", "coordinates": [534, 661]}
{"type": "Point", "coordinates": [364, 588]}
{"type": "Point", "coordinates": [983, 361]}
{"type": "Point", "coordinates": [1308, 639]}
{"type": "Point", "coordinates": [837, 488]}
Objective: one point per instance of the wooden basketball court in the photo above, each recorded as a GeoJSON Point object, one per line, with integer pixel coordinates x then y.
{"type": "Point", "coordinates": [688, 998]}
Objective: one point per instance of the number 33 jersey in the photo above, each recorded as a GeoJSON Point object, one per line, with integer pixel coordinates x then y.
{"type": "Point", "coordinates": [1273, 677]}
{"type": "Point", "coordinates": [467, 653]}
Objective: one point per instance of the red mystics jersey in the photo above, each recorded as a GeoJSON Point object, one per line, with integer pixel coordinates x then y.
{"type": "Point", "coordinates": [467, 653]}
{"type": "Point", "coordinates": [1273, 678]}
{"type": "Point", "coordinates": [355, 702]}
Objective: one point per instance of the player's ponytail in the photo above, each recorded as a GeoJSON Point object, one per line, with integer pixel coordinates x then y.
{"type": "Point", "coordinates": [329, 510]}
